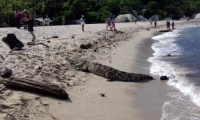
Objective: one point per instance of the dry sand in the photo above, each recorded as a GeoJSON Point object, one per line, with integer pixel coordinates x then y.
{"type": "Point", "coordinates": [124, 100]}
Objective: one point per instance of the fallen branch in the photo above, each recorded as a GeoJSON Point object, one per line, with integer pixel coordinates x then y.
{"type": "Point", "coordinates": [35, 86]}
{"type": "Point", "coordinates": [33, 43]}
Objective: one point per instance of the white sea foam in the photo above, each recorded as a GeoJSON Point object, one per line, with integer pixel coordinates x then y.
{"type": "Point", "coordinates": [164, 46]}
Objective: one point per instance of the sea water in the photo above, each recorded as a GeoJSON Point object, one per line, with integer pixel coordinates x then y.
{"type": "Point", "coordinates": [183, 69]}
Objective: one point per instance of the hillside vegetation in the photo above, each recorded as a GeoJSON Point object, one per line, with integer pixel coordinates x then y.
{"type": "Point", "coordinates": [96, 10]}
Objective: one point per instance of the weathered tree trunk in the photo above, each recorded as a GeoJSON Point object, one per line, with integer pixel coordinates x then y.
{"type": "Point", "coordinates": [36, 86]}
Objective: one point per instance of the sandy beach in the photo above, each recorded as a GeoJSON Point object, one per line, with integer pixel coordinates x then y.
{"type": "Point", "coordinates": [126, 50]}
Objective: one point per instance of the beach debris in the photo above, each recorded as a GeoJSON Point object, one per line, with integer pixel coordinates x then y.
{"type": "Point", "coordinates": [33, 43]}
{"type": "Point", "coordinates": [85, 46]}
{"type": "Point", "coordinates": [102, 95]}
{"type": "Point", "coordinates": [164, 31]}
{"type": "Point", "coordinates": [54, 37]}
{"type": "Point", "coordinates": [164, 78]}
{"type": "Point", "coordinates": [12, 42]}
{"type": "Point", "coordinates": [50, 37]}
{"type": "Point", "coordinates": [38, 68]}
{"type": "Point", "coordinates": [6, 73]}
{"type": "Point", "coordinates": [168, 55]}
{"type": "Point", "coordinates": [35, 86]}
{"type": "Point", "coordinates": [147, 29]}
{"type": "Point", "coordinates": [107, 72]}
{"type": "Point", "coordinates": [2, 59]}
{"type": "Point", "coordinates": [95, 50]}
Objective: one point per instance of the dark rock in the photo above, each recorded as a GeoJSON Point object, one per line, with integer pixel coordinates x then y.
{"type": "Point", "coordinates": [6, 73]}
{"type": "Point", "coordinates": [168, 55]}
{"type": "Point", "coordinates": [95, 50]}
{"type": "Point", "coordinates": [85, 46]}
{"type": "Point", "coordinates": [12, 42]}
{"type": "Point", "coordinates": [102, 95]}
{"type": "Point", "coordinates": [164, 78]}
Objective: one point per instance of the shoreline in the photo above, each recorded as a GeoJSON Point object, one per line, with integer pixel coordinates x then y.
{"type": "Point", "coordinates": [121, 98]}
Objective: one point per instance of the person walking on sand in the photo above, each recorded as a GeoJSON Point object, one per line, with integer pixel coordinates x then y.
{"type": "Point", "coordinates": [108, 24]}
{"type": "Point", "coordinates": [173, 25]}
{"type": "Point", "coordinates": [30, 22]}
{"type": "Point", "coordinates": [17, 18]}
{"type": "Point", "coordinates": [112, 24]}
{"type": "Point", "coordinates": [63, 20]}
{"type": "Point", "coordinates": [82, 22]}
{"type": "Point", "coordinates": [155, 23]}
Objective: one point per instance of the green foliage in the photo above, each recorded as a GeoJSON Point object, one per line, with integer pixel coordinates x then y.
{"type": "Point", "coordinates": [152, 6]}
{"type": "Point", "coordinates": [95, 10]}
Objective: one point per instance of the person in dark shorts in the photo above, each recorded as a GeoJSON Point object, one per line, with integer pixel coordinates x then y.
{"type": "Point", "coordinates": [168, 25]}
{"type": "Point", "coordinates": [173, 25]}
{"type": "Point", "coordinates": [30, 22]}
{"type": "Point", "coordinates": [155, 23]}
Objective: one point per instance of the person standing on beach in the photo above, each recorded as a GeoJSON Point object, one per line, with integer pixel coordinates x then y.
{"type": "Point", "coordinates": [82, 22]}
{"type": "Point", "coordinates": [112, 23]}
{"type": "Point", "coordinates": [155, 23]}
{"type": "Point", "coordinates": [17, 18]}
{"type": "Point", "coordinates": [30, 22]}
{"type": "Point", "coordinates": [63, 20]}
{"type": "Point", "coordinates": [151, 21]}
{"type": "Point", "coordinates": [168, 25]}
{"type": "Point", "coordinates": [188, 19]}
{"type": "Point", "coordinates": [47, 20]}
{"type": "Point", "coordinates": [173, 25]}
{"type": "Point", "coordinates": [108, 24]}
{"type": "Point", "coordinates": [24, 17]}
{"type": "Point", "coordinates": [135, 20]}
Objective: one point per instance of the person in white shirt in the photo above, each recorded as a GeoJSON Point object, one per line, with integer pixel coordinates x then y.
{"type": "Point", "coordinates": [47, 20]}
{"type": "Point", "coordinates": [82, 22]}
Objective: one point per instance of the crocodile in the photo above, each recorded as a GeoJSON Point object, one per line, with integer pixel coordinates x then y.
{"type": "Point", "coordinates": [110, 73]}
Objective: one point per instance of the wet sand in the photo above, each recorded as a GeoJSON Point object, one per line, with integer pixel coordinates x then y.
{"type": "Point", "coordinates": [123, 100]}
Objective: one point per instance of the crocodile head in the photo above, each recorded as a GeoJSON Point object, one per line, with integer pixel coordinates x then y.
{"type": "Point", "coordinates": [81, 65]}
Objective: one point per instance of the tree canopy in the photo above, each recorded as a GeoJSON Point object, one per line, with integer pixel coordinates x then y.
{"type": "Point", "coordinates": [96, 10]}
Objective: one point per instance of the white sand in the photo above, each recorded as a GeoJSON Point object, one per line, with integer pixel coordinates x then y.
{"type": "Point", "coordinates": [85, 101]}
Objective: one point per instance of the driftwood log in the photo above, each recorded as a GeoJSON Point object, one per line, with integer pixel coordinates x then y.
{"type": "Point", "coordinates": [35, 86]}
{"type": "Point", "coordinates": [164, 31]}
{"type": "Point", "coordinates": [33, 43]}
{"type": "Point", "coordinates": [85, 46]}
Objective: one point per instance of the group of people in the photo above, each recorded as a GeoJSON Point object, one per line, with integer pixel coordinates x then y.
{"type": "Point", "coordinates": [168, 25]}
{"type": "Point", "coordinates": [153, 20]}
{"type": "Point", "coordinates": [27, 20]}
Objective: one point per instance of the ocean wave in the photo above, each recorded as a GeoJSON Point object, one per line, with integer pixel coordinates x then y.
{"type": "Point", "coordinates": [163, 65]}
